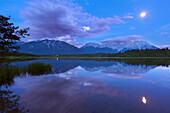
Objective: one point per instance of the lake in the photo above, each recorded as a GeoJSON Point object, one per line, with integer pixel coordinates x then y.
{"type": "Point", "coordinates": [85, 86]}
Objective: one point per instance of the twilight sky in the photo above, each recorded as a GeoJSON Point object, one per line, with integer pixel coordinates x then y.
{"type": "Point", "coordinates": [81, 21]}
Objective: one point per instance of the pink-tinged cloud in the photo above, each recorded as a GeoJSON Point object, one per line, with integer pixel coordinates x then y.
{"type": "Point", "coordinates": [123, 39]}
{"type": "Point", "coordinates": [164, 33]}
{"type": "Point", "coordinates": [55, 18]}
{"type": "Point", "coordinates": [166, 27]}
{"type": "Point", "coordinates": [163, 46]}
{"type": "Point", "coordinates": [128, 16]}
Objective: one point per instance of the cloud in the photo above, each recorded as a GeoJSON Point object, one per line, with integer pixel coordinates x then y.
{"type": "Point", "coordinates": [132, 28]}
{"type": "Point", "coordinates": [163, 46]}
{"type": "Point", "coordinates": [128, 16]}
{"type": "Point", "coordinates": [85, 28]}
{"type": "Point", "coordinates": [122, 39]}
{"type": "Point", "coordinates": [166, 27]}
{"type": "Point", "coordinates": [164, 30]}
{"type": "Point", "coordinates": [70, 40]}
{"type": "Point", "coordinates": [164, 33]}
{"type": "Point", "coordinates": [85, 84]}
{"type": "Point", "coordinates": [60, 18]}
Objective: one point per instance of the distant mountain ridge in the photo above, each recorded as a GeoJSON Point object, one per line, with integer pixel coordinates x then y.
{"type": "Point", "coordinates": [48, 47]}
{"type": "Point", "coordinates": [53, 47]}
{"type": "Point", "coordinates": [121, 47]}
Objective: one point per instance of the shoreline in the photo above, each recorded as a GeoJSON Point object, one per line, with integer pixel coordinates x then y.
{"type": "Point", "coordinates": [18, 57]}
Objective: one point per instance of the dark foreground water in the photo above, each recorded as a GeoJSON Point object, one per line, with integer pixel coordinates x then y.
{"type": "Point", "coordinates": [85, 86]}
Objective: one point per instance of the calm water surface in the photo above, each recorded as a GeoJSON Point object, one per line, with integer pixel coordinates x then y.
{"type": "Point", "coordinates": [82, 86]}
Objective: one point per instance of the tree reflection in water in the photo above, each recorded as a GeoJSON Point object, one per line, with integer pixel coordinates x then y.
{"type": "Point", "coordinates": [7, 73]}
{"type": "Point", "coordinates": [9, 102]}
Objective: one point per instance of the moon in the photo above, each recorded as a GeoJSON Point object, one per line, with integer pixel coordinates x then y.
{"type": "Point", "coordinates": [142, 14]}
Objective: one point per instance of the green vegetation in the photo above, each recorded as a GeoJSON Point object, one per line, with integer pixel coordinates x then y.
{"type": "Point", "coordinates": [134, 57]}
{"type": "Point", "coordinates": [15, 59]}
{"type": "Point", "coordinates": [132, 53]}
{"type": "Point", "coordinates": [38, 69]}
{"type": "Point", "coordinates": [146, 61]}
{"type": "Point", "coordinates": [7, 73]}
{"type": "Point", "coordinates": [130, 61]}
{"type": "Point", "coordinates": [11, 56]}
{"type": "Point", "coordinates": [15, 54]}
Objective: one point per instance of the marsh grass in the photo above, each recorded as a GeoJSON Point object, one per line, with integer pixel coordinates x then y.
{"type": "Point", "coordinates": [38, 68]}
{"type": "Point", "coordinates": [8, 73]}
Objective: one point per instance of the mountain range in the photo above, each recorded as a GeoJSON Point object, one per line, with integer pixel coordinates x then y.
{"type": "Point", "coordinates": [53, 47]}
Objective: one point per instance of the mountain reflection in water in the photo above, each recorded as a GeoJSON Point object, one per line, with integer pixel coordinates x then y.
{"type": "Point", "coordinates": [81, 86]}
{"type": "Point", "coordinates": [108, 67]}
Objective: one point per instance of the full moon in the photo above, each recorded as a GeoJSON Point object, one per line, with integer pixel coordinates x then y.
{"type": "Point", "coordinates": [142, 14]}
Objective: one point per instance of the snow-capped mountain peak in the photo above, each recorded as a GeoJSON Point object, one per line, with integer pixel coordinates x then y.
{"type": "Point", "coordinates": [92, 44]}
{"type": "Point", "coordinates": [123, 46]}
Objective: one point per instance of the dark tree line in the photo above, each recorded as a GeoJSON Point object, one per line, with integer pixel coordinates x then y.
{"type": "Point", "coordinates": [129, 53]}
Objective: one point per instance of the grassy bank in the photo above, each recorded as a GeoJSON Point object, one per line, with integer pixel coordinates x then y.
{"type": "Point", "coordinates": [15, 55]}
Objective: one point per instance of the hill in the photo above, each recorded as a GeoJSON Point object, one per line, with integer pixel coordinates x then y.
{"type": "Point", "coordinates": [48, 47]}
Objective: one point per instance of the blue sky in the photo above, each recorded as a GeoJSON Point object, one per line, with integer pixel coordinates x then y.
{"type": "Point", "coordinates": [109, 17]}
